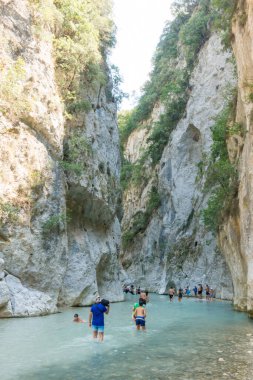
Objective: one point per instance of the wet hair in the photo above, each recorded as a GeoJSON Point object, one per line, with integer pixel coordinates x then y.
{"type": "Point", "coordinates": [76, 316]}
{"type": "Point", "coordinates": [141, 303]}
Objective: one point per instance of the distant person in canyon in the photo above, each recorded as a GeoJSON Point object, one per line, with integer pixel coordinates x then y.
{"type": "Point", "coordinates": [140, 316]}
{"type": "Point", "coordinates": [138, 290]}
{"type": "Point", "coordinates": [207, 292]}
{"type": "Point", "coordinates": [200, 291]}
{"type": "Point", "coordinates": [144, 295]}
{"type": "Point", "coordinates": [78, 319]}
{"type": "Point", "coordinates": [180, 294]}
{"type": "Point", "coordinates": [212, 294]}
{"type": "Point", "coordinates": [171, 294]}
{"type": "Point", "coordinates": [187, 291]}
{"type": "Point", "coordinates": [195, 289]}
{"type": "Point", "coordinates": [96, 318]}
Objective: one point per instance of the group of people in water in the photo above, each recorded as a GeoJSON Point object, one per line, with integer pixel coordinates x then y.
{"type": "Point", "coordinates": [139, 313]}
{"type": "Point", "coordinates": [198, 292]}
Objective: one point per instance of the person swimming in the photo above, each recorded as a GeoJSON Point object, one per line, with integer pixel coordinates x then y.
{"type": "Point", "coordinates": [78, 319]}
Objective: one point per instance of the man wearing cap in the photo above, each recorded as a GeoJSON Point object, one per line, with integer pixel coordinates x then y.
{"type": "Point", "coordinates": [96, 319]}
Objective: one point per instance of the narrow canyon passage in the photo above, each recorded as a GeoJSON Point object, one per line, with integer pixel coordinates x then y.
{"type": "Point", "coordinates": [192, 340]}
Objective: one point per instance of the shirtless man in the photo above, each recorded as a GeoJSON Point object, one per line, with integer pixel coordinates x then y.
{"type": "Point", "coordinates": [171, 293]}
{"type": "Point", "coordinates": [140, 315]}
{"type": "Point", "coordinates": [78, 319]}
{"type": "Point", "coordinates": [145, 297]}
{"type": "Point", "coordinates": [200, 291]}
{"type": "Point", "coordinates": [207, 292]}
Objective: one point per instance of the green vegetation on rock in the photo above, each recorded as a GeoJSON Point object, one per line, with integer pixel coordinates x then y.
{"type": "Point", "coordinates": [8, 213]}
{"type": "Point", "coordinates": [142, 218]}
{"type": "Point", "coordinates": [169, 82]}
{"type": "Point", "coordinates": [77, 150]}
{"type": "Point", "coordinates": [221, 175]}
{"type": "Point", "coordinates": [13, 101]}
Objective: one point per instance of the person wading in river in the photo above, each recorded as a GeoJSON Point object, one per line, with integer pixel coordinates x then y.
{"type": "Point", "coordinates": [171, 294]}
{"type": "Point", "coordinates": [144, 296]}
{"type": "Point", "coordinates": [200, 291]}
{"type": "Point", "coordinates": [180, 294]}
{"type": "Point", "coordinates": [96, 318]}
{"type": "Point", "coordinates": [139, 316]}
{"type": "Point", "coordinates": [207, 292]}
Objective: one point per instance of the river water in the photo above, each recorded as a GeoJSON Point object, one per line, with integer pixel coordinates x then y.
{"type": "Point", "coordinates": [192, 340]}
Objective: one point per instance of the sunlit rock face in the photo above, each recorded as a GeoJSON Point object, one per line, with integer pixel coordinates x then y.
{"type": "Point", "coordinates": [236, 235]}
{"type": "Point", "coordinates": [176, 249]}
{"type": "Point", "coordinates": [44, 261]}
{"type": "Point", "coordinates": [94, 229]}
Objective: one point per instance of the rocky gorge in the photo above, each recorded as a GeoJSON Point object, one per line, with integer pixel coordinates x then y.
{"type": "Point", "coordinates": [182, 212]}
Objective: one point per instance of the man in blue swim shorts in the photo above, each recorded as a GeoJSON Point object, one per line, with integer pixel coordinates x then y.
{"type": "Point", "coordinates": [96, 319]}
{"type": "Point", "coordinates": [140, 315]}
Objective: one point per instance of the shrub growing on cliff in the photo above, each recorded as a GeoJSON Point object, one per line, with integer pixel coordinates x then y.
{"type": "Point", "coordinates": [222, 175]}
{"type": "Point", "coordinates": [169, 82]}
{"type": "Point", "coordinates": [13, 100]}
{"type": "Point", "coordinates": [85, 32]}
{"type": "Point", "coordinates": [8, 213]}
{"type": "Point", "coordinates": [222, 14]}
{"type": "Point", "coordinates": [76, 151]}
{"type": "Point", "coordinates": [53, 224]}
{"type": "Point", "coordinates": [142, 218]}
{"type": "Point", "coordinates": [82, 32]}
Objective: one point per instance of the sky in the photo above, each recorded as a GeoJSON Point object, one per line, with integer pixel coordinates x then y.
{"type": "Point", "coordinates": [139, 27]}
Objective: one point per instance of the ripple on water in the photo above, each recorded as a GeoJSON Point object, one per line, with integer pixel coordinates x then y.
{"type": "Point", "coordinates": [183, 342]}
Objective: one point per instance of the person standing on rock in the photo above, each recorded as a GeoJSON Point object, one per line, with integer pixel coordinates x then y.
{"type": "Point", "coordinates": [171, 293]}
{"type": "Point", "coordinates": [96, 318]}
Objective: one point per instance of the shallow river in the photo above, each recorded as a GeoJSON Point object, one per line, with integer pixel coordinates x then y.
{"type": "Point", "coordinates": [192, 340]}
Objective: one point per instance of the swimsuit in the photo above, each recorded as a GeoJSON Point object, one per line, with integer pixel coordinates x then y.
{"type": "Point", "coordinates": [140, 320]}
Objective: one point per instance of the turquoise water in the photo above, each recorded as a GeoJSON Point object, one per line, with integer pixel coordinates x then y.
{"type": "Point", "coordinates": [192, 340]}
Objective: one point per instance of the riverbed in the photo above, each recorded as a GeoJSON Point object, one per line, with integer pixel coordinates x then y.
{"type": "Point", "coordinates": [191, 340]}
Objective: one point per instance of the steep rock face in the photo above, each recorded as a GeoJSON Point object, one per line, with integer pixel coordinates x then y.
{"type": "Point", "coordinates": [175, 248]}
{"type": "Point", "coordinates": [94, 230]}
{"type": "Point", "coordinates": [32, 183]}
{"type": "Point", "coordinates": [38, 256]}
{"type": "Point", "coordinates": [236, 235]}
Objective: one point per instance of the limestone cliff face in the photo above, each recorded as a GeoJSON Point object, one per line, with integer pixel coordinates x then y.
{"type": "Point", "coordinates": [47, 258]}
{"type": "Point", "coordinates": [236, 235]}
{"type": "Point", "coordinates": [175, 248]}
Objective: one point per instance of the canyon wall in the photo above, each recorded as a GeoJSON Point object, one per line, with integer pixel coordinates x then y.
{"type": "Point", "coordinates": [176, 249]}
{"type": "Point", "coordinates": [235, 236]}
{"type": "Point", "coordinates": [59, 232]}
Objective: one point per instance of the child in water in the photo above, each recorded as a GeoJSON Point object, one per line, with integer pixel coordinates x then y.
{"type": "Point", "coordinates": [139, 316]}
{"type": "Point", "coordinates": [78, 319]}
